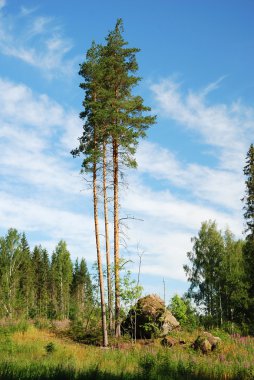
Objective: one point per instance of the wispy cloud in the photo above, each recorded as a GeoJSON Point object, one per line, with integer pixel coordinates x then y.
{"type": "Point", "coordinates": [225, 127]}
{"type": "Point", "coordinates": [215, 186]}
{"type": "Point", "coordinates": [2, 3]}
{"type": "Point", "coordinates": [37, 41]}
{"type": "Point", "coordinates": [34, 146]}
{"type": "Point", "coordinates": [34, 216]}
{"type": "Point", "coordinates": [25, 11]}
{"type": "Point", "coordinates": [40, 186]}
{"type": "Point", "coordinates": [213, 192]}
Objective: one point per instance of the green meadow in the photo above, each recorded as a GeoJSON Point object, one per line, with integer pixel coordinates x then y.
{"type": "Point", "coordinates": [27, 352]}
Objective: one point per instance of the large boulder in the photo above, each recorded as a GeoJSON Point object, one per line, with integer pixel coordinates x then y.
{"type": "Point", "coordinates": [206, 342]}
{"type": "Point", "coordinates": [213, 340]}
{"type": "Point", "coordinates": [152, 318]}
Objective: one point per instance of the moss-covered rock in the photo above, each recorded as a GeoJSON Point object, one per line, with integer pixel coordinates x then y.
{"type": "Point", "coordinates": [206, 342]}
{"type": "Point", "coordinates": [151, 317]}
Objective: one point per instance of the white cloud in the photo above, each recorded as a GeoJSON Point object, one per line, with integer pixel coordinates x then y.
{"type": "Point", "coordinates": [35, 135]}
{"type": "Point", "coordinates": [40, 183]}
{"type": "Point", "coordinates": [2, 4]}
{"type": "Point", "coordinates": [207, 192]}
{"type": "Point", "coordinates": [168, 224]}
{"type": "Point", "coordinates": [223, 126]}
{"type": "Point", "coordinates": [41, 188]}
{"type": "Point", "coordinates": [217, 186]}
{"type": "Point", "coordinates": [25, 11]}
{"type": "Point", "coordinates": [39, 25]}
{"type": "Point", "coordinates": [37, 41]}
{"type": "Point", "coordinates": [36, 110]}
{"type": "Point", "coordinates": [32, 215]}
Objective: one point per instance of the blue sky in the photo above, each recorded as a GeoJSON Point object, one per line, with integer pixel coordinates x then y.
{"type": "Point", "coordinates": [196, 62]}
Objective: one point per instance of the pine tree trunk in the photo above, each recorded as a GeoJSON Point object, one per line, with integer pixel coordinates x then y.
{"type": "Point", "coordinates": [96, 224]}
{"type": "Point", "coordinates": [116, 238]}
{"type": "Point", "coordinates": [107, 237]}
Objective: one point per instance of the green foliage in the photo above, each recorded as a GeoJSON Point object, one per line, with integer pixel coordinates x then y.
{"type": "Point", "coordinates": [206, 258]}
{"type": "Point", "coordinates": [80, 332]}
{"type": "Point", "coordinates": [32, 286]}
{"type": "Point", "coordinates": [249, 193]}
{"type": "Point", "coordinates": [130, 291]}
{"type": "Point", "coordinates": [217, 276]}
{"type": "Point", "coordinates": [10, 262]}
{"type": "Point", "coordinates": [184, 312]}
{"type": "Point", "coordinates": [81, 291]}
{"type": "Point", "coordinates": [151, 329]}
{"type": "Point", "coordinates": [50, 348]}
{"type": "Point", "coordinates": [179, 309]}
{"type": "Point", "coordinates": [147, 363]}
{"type": "Point", "coordinates": [61, 278]}
{"type": "Point", "coordinates": [112, 115]}
{"type": "Point", "coordinates": [23, 357]}
{"type": "Point", "coordinates": [11, 327]}
{"type": "Point", "coordinates": [42, 324]}
{"type": "Point", "coordinates": [125, 116]}
{"type": "Point", "coordinates": [249, 218]}
{"type": "Point", "coordinates": [41, 279]}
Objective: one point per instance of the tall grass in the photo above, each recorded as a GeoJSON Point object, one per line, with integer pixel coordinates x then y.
{"type": "Point", "coordinates": [31, 353]}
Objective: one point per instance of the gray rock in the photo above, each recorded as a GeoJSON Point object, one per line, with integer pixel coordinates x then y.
{"type": "Point", "coordinates": [206, 342]}
{"type": "Point", "coordinates": [152, 318]}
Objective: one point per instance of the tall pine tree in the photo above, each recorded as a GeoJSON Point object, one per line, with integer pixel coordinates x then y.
{"type": "Point", "coordinates": [113, 115]}
{"type": "Point", "coordinates": [41, 273]}
{"type": "Point", "coordinates": [10, 261]}
{"type": "Point", "coordinates": [91, 147]}
{"type": "Point", "coordinates": [61, 277]}
{"type": "Point", "coordinates": [249, 217]}
{"type": "Point", "coordinates": [126, 123]}
{"type": "Point", "coordinates": [26, 277]}
{"type": "Point", "coordinates": [81, 290]}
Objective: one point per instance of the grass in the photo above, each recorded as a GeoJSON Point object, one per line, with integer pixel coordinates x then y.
{"type": "Point", "coordinates": [27, 352]}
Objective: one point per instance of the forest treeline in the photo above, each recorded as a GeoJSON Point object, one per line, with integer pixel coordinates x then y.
{"type": "Point", "coordinates": [221, 269]}
{"type": "Point", "coordinates": [216, 272]}
{"type": "Point", "coordinates": [35, 285]}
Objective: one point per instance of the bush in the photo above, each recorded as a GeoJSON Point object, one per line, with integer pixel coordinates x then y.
{"type": "Point", "coordinates": [183, 311]}
{"type": "Point", "coordinates": [12, 327]}
{"type": "Point", "coordinates": [77, 332]}
{"type": "Point", "coordinates": [147, 364]}
{"type": "Point", "coordinates": [42, 324]}
{"type": "Point", "coordinates": [50, 348]}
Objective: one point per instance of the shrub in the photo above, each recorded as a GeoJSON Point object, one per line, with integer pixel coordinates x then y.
{"type": "Point", "coordinates": [50, 348]}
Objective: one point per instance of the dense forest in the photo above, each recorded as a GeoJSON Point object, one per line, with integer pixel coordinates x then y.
{"type": "Point", "coordinates": [34, 285]}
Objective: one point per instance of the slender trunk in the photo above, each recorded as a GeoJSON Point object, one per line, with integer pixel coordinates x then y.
{"type": "Point", "coordinates": [116, 237]}
{"type": "Point", "coordinates": [135, 309]}
{"type": "Point", "coordinates": [61, 297]}
{"type": "Point", "coordinates": [96, 224]}
{"type": "Point", "coordinates": [220, 307]}
{"type": "Point", "coordinates": [221, 314]}
{"type": "Point", "coordinates": [107, 237]}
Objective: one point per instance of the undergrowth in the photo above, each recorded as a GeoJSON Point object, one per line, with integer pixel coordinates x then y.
{"type": "Point", "coordinates": [29, 353]}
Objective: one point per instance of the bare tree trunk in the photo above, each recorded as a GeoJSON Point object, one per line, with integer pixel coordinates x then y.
{"type": "Point", "coordinates": [135, 309]}
{"type": "Point", "coordinates": [116, 238]}
{"type": "Point", "coordinates": [97, 238]}
{"type": "Point", "coordinates": [110, 308]}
